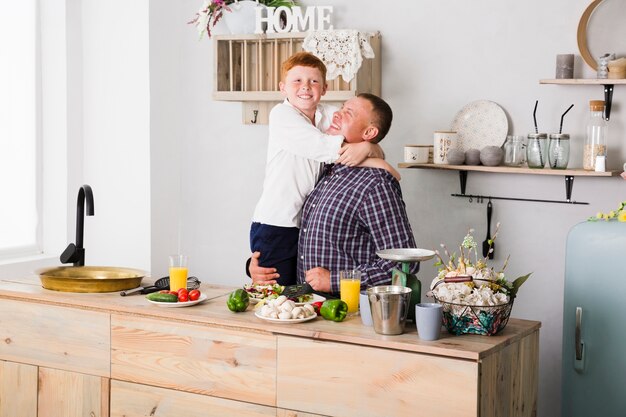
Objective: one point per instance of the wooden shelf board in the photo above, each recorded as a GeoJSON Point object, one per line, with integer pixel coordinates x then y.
{"type": "Point", "coordinates": [512, 170]}
{"type": "Point", "coordinates": [275, 96]}
{"type": "Point", "coordinates": [584, 81]}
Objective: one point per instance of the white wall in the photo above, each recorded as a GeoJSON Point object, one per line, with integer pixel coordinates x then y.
{"type": "Point", "coordinates": [437, 56]}
{"type": "Point", "coordinates": [116, 132]}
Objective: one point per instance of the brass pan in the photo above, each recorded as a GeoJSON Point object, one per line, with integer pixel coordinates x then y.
{"type": "Point", "coordinates": [90, 278]}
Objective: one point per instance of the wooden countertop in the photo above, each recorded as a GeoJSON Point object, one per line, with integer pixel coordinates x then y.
{"type": "Point", "coordinates": [215, 313]}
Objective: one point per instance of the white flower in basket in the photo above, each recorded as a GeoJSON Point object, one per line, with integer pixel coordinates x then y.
{"type": "Point", "coordinates": [476, 299]}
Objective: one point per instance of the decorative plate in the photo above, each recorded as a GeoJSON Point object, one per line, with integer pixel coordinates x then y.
{"type": "Point", "coordinates": [285, 321]}
{"type": "Point", "coordinates": [480, 123]}
{"type": "Point", "coordinates": [180, 304]}
{"type": "Point", "coordinates": [406, 254]}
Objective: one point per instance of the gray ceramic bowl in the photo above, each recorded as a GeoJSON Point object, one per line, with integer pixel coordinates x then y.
{"type": "Point", "coordinates": [491, 156]}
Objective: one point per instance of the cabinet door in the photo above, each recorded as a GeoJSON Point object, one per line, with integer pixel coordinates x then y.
{"type": "Point", "coordinates": [136, 400]}
{"type": "Point", "coordinates": [70, 394]}
{"type": "Point", "coordinates": [338, 379]}
{"type": "Point", "coordinates": [18, 390]}
{"type": "Point", "coordinates": [234, 364]}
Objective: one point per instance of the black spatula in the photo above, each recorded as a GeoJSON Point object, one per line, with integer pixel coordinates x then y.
{"type": "Point", "coordinates": [486, 245]}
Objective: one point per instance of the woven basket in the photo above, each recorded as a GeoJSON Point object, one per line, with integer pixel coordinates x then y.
{"type": "Point", "coordinates": [468, 319]}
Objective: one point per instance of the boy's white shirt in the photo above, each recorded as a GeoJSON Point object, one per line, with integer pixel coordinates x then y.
{"type": "Point", "coordinates": [295, 153]}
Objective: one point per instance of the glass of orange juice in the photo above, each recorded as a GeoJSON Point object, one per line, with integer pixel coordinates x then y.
{"type": "Point", "coordinates": [178, 272]}
{"type": "Point", "coordinates": [350, 288]}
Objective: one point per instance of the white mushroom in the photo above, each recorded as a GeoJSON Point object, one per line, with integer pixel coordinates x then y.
{"type": "Point", "coordinates": [266, 310]}
{"type": "Point", "coordinates": [296, 312]}
{"type": "Point", "coordinates": [281, 299]}
{"type": "Point", "coordinates": [308, 308]}
{"type": "Point", "coordinates": [273, 315]}
{"type": "Point", "coordinates": [287, 306]}
{"type": "Point", "coordinates": [285, 315]}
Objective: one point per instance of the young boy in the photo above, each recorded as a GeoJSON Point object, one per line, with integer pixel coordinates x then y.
{"type": "Point", "coordinates": [297, 150]}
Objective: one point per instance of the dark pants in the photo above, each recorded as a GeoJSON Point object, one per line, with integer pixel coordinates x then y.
{"type": "Point", "coordinates": [279, 249]}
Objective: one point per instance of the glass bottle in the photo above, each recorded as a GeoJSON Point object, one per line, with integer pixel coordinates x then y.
{"type": "Point", "coordinates": [595, 142]}
{"type": "Point", "coordinates": [536, 150]}
{"type": "Point", "coordinates": [514, 151]}
{"type": "Point", "coordinates": [558, 150]}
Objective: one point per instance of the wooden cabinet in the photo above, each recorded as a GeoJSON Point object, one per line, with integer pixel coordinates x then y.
{"type": "Point", "coordinates": [70, 394]}
{"type": "Point", "coordinates": [135, 400]}
{"type": "Point", "coordinates": [123, 357]}
{"type": "Point", "coordinates": [204, 360]}
{"type": "Point", "coordinates": [247, 68]}
{"type": "Point", "coordinates": [55, 337]}
{"type": "Point", "coordinates": [18, 390]}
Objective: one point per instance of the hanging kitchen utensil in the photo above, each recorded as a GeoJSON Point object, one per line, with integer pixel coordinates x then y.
{"type": "Point", "coordinates": [488, 248]}
{"type": "Point", "coordinates": [162, 284]}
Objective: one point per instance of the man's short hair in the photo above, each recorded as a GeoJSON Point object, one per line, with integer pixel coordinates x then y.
{"type": "Point", "coordinates": [303, 59]}
{"type": "Point", "coordinates": [382, 115]}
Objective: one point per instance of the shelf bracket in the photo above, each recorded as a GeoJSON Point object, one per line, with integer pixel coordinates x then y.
{"type": "Point", "coordinates": [569, 185]}
{"type": "Point", "coordinates": [463, 180]}
{"type": "Point", "coordinates": [608, 98]}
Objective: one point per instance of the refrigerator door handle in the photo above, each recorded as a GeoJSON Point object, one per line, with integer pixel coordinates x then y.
{"type": "Point", "coordinates": [579, 344]}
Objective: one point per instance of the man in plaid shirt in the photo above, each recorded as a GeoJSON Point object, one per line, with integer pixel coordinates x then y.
{"type": "Point", "coordinates": [351, 213]}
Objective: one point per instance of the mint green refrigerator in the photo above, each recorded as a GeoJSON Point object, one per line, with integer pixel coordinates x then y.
{"type": "Point", "coordinates": [594, 321]}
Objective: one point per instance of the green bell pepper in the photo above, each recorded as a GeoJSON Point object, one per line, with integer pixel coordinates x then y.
{"type": "Point", "coordinates": [238, 301]}
{"type": "Point", "coordinates": [334, 310]}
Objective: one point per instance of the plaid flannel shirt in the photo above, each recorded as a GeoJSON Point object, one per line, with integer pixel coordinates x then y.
{"type": "Point", "coordinates": [352, 213]}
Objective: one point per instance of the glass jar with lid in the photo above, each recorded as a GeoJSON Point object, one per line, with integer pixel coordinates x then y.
{"type": "Point", "coordinates": [595, 141]}
{"type": "Point", "coordinates": [514, 151]}
{"type": "Point", "coordinates": [558, 150]}
{"type": "Point", "coordinates": [536, 150]}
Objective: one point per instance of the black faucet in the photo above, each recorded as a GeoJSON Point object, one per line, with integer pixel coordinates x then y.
{"type": "Point", "coordinates": [75, 253]}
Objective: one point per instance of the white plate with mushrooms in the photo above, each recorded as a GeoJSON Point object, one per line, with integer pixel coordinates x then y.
{"type": "Point", "coordinates": [285, 321]}
{"type": "Point", "coordinates": [282, 310]}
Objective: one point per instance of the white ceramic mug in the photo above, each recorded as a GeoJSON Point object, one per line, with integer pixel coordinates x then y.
{"type": "Point", "coordinates": [444, 141]}
{"type": "Point", "coordinates": [364, 308]}
{"type": "Point", "coordinates": [418, 154]}
{"type": "Point", "coordinates": [428, 320]}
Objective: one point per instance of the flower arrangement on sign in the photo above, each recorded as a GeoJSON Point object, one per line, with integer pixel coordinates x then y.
{"type": "Point", "coordinates": [617, 214]}
{"type": "Point", "coordinates": [476, 298]}
{"type": "Point", "coordinates": [212, 12]}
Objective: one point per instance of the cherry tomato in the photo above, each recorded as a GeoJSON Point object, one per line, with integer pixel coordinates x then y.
{"type": "Point", "coordinates": [164, 292]}
{"type": "Point", "coordinates": [183, 291]}
{"type": "Point", "coordinates": [183, 297]}
{"type": "Point", "coordinates": [194, 295]}
{"type": "Point", "coordinates": [173, 292]}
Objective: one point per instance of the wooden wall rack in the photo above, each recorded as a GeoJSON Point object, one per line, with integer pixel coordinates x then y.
{"type": "Point", "coordinates": [569, 175]}
{"type": "Point", "coordinates": [247, 69]}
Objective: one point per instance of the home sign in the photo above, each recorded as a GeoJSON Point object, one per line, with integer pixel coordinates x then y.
{"type": "Point", "coordinates": [314, 18]}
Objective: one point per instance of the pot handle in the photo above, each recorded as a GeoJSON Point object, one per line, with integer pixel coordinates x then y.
{"type": "Point", "coordinates": [129, 292]}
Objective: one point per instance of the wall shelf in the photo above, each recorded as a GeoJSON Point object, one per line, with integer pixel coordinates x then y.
{"type": "Point", "coordinates": [247, 69]}
{"type": "Point", "coordinates": [608, 84]}
{"type": "Point", "coordinates": [569, 175]}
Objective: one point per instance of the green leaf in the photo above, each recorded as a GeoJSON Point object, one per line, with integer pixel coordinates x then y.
{"type": "Point", "coordinates": [438, 263]}
{"type": "Point", "coordinates": [517, 283]}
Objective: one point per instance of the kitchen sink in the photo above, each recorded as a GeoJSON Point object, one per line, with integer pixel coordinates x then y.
{"type": "Point", "coordinates": [90, 279]}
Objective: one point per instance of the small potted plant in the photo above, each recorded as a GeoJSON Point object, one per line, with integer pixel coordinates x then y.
{"type": "Point", "coordinates": [476, 298]}
{"type": "Point", "coordinates": [212, 11]}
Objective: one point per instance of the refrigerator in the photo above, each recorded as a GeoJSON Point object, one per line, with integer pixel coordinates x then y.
{"type": "Point", "coordinates": [594, 321]}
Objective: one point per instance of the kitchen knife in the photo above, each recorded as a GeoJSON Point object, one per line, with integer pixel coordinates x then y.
{"type": "Point", "coordinates": [295, 291]}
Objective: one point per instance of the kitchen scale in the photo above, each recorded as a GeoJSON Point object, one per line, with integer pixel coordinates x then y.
{"type": "Point", "coordinates": [403, 277]}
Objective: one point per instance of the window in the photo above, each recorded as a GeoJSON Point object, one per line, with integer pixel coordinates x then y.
{"type": "Point", "coordinates": [20, 204]}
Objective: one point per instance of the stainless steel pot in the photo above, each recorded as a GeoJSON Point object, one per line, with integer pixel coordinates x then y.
{"type": "Point", "coordinates": [389, 305]}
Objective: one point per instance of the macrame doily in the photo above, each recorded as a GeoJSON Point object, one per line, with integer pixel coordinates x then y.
{"type": "Point", "coordinates": [341, 50]}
